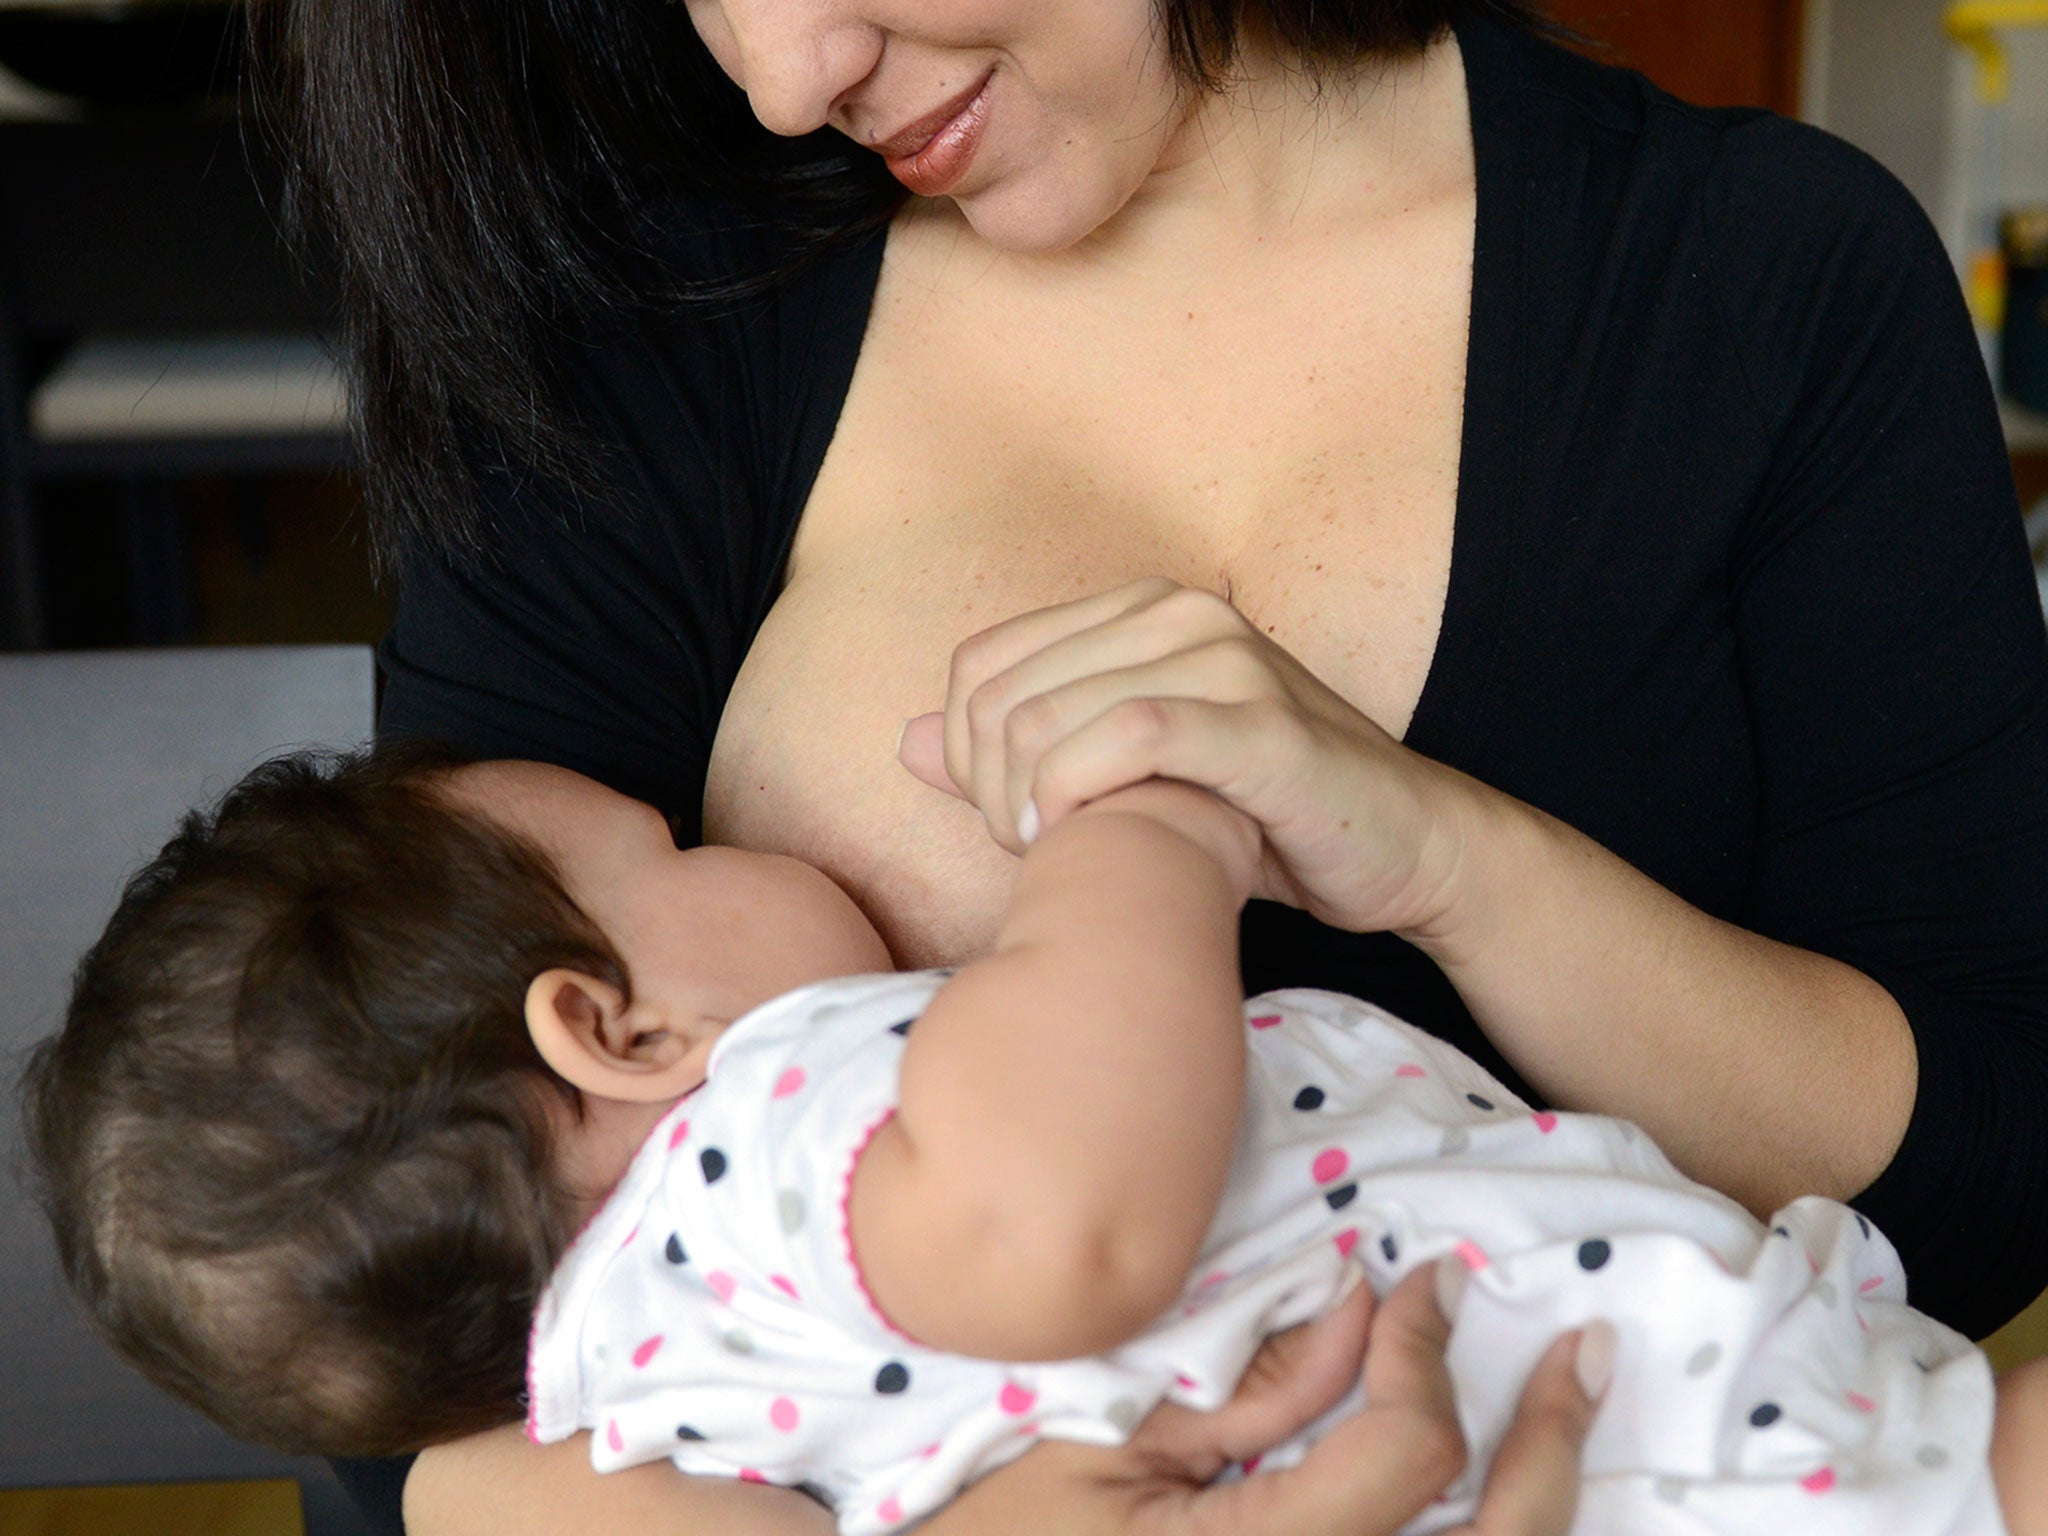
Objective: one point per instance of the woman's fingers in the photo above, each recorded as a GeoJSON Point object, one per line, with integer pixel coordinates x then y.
{"type": "Point", "coordinates": [996, 650]}
{"type": "Point", "coordinates": [1294, 1379]}
{"type": "Point", "coordinates": [1532, 1488]}
{"type": "Point", "coordinates": [1376, 1470]}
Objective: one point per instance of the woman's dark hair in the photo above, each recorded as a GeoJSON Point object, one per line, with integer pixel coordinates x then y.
{"type": "Point", "coordinates": [476, 170]}
{"type": "Point", "coordinates": [293, 1137]}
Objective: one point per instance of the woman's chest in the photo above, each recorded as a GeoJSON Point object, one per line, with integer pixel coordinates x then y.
{"type": "Point", "coordinates": [1297, 451]}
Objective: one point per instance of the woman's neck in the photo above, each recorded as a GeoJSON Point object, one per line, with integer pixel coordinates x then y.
{"type": "Point", "coordinates": [1279, 155]}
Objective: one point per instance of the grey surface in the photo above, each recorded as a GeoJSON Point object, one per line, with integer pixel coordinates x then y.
{"type": "Point", "coordinates": [1887, 88]}
{"type": "Point", "coordinates": [99, 754]}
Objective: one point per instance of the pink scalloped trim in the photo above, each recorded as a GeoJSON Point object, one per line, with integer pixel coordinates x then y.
{"type": "Point", "coordinates": [860, 1281]}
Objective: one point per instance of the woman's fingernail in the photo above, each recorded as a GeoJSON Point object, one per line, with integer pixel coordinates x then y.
{"type": "Point", "coordinates": [1595, 1361]}
{"type": "Point", "coordinates": [1451, 1279]}
{"type": "Point", "coordinates": [901, 731]}
{"type": "Point", "coordinates": [1028, 826]}
{"type": "Point", "coordinates": [1354, 1277]}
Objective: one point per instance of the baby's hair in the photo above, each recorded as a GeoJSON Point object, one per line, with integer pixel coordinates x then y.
{"type": "Point", "coordinates": [293, 1137]}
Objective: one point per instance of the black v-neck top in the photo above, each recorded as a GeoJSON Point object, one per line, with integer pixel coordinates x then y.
{"type": "Point", "coordinates": [1738, 588]}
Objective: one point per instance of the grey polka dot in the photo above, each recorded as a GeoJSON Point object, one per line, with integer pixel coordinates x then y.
{"type": "Point", "coordinates": [828, 1011]}
{"type": "Point", "coordinates": [1671, 1490]}
{"type": "Point", "coordinates": [1124, 1413]}
{"type": "Point", "coordinates": [1703, 1360]}
{"type": "Point", "coordinates": [1455, 1141]}
{"type": "Point", "coordinates": [738, 1341]}
{"type": "Point", "coordinates": [790, 1204]}
{"type": "Point", "coordinates": [1932, 1457]}
{"type": "Point", "coordinates": [1825, 1290]}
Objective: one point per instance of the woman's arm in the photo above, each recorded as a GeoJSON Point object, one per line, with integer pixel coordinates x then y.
{"type": "Point", "coordinates": [1403, 1451]}
{"type": "Point", "coordinates": [1070, 1102]}
{"type": "Point", "coordinates": [1763, 1070]}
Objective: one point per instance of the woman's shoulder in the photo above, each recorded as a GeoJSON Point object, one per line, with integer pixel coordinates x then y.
{"type": "Point", "coordinates": [1580, 110]}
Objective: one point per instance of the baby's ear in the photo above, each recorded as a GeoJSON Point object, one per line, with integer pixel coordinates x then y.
{"type": "Point", "coordinates": [585, 1031]}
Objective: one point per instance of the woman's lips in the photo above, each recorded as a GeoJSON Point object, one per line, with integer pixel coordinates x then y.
{"type": "Point", "coordinates": [933, 154]}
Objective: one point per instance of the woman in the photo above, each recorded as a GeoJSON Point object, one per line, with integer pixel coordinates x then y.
{"type": "Point", "coordinates": [1576, 526]}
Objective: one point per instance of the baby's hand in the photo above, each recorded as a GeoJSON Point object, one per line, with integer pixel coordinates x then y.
{"type": "Point", "coordinates": [1211, 823]}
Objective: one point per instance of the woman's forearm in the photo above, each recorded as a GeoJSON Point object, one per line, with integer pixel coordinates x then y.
{"type": "Point", "coordinates": [501, 1484]}
{"type": "Point", "coordinates": [1766, 1071]}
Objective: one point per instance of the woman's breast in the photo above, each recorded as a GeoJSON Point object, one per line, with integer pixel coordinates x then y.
{"type": "Point", "coordinates": [966, 485]}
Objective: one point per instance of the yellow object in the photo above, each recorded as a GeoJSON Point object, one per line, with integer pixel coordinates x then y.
{"type": "Point", "coordinates": [269, 1507]}
{"type": "Point", "coordinates": [1976, 24]}
{"type": "Point", "coordinates": [1987, 289]}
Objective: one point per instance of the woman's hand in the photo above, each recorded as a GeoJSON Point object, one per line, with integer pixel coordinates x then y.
{"type": "Point", "coordinates": [1368, 1477]}
{"type": "Point", "coordinates": [1052, 709]}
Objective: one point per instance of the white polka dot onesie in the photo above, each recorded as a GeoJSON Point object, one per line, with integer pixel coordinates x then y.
{"type": "Point", "coordinates": [1767, 1379]}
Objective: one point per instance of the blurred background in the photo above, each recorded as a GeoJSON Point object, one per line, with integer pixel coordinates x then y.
{"type": "Point", "coordinates": [176, 486]}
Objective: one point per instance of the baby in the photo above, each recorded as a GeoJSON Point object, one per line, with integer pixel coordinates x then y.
{"type": "Point", "coordinates": [400, 1098]}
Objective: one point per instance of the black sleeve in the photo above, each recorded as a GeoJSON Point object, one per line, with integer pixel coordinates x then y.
{"type": "Point", "coordinates": [603, 633]}
{"type": "Point", "coordinates": [1892, 643]}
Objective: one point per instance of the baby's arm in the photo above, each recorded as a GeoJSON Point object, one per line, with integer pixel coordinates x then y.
{"type": "Point", "coordinates": [1069, 1103]}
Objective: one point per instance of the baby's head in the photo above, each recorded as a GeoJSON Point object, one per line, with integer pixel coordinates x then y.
{"type": "Point", "coordinates": [307, 1166]}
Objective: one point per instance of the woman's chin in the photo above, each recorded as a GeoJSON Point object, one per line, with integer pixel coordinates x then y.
{"type": "Point", "coordinates": [1023, 223]}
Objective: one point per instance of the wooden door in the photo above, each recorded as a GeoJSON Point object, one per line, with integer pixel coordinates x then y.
{"type": "Point", "coordinates": [1720, 53]}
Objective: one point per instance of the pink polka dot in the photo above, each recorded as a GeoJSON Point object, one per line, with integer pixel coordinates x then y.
{"type": "Point", "coordinates": [1546, 1122]}
{"type": "Point", "coordinates": [1267, 1021]}
{"type": "Point", "coordinates": [1186, 1381]}
{"type": "Point", "coordinates": [890, 1510]}
{"type": "Point", "coordinates": [785, 1285]}
{"type": "Point", "coordinates": [1347, 1240]}
{"type": "Point", "coordinates": [722, 1284]}
{"type": "Point", "coordinates": [1870, 1285]}
{"type": "Point", "coordinates": [645, 1352]}
{"type": "Point", "coordinates": [1861, 1403]}
{"type": "Point", "coordinates": [1409, 1069]}
{"type": "Point", "coordinates": [1214, 1278]}
{"type": "Point", "coordinates": [790, 1082]}
{"type": "Point", "coordinates": [1015, 1400]}
{"type": "Point", "coordinates": [1472, 1256]}
{"type": "Point", "coordinates": [675, 1137]}
{"type": "Point", "coordinates": [749, 1475]}
{"type": "Point", "coordinates": [1330, 1164]}
{"type": "Point", "coordinates": [1818, 1482]}
{"type": "Point", "coordinates": [629, 1238]}
{"type": "Point", "coordinates": [930, 1451]}
{"type": "Point", "coordinates": [613, 1438]}
{"type": "Point", "coordinates": [1251, 1464]}
{"type": "Point", "coordinates": [783, 1414]}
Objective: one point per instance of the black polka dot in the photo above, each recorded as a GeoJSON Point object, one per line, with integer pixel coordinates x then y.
{"type": "Point", "coordinates": [1594, 1253]}
{"type": "Point", "coordinates": [712, 1161]}
{"type": "Point", "coordinates": [1864, 1225]}
{"type": "Point", "coordinates": [1339, 1198]}
{"type": "Point", "coordinates": [1781, 1231]}
{"type": "Point", "coordinates": [903, 1028]}
{"type": "Point", "coordinates": [1764, 1415]}
{"type": "Point", "coordinates": [1390, 1248]}
{"type": "Point", "coordinates": [1309, 1098]}
{"type": "Point", "coordinates": [674, 1249]}
{"type": "Point", "coordinates": [685, 1432]}
{"type": "Point", "coordinates": [816, 1493]}
{"type": "Point", "coordinates": [1475, 1100]}
{"type": "Point", "coordinates": [892, 1378]}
